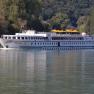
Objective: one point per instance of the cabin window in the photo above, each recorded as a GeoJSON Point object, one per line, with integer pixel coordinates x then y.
{"type": "Point", "coordinates": [18, 37]}
{"type": "Point", "coordinates": [22, 37]}
{"type": "Point", "coordinates": [5, 37]}
{"type": "Point", "coordinates": [36, 38]}
{"type": "Point", "coordinates": [9, 37]}
{"type": "Point", "coordinates": [45, 38]}
{"type": "Point", "coordinates": [26, 38]}
{"type": "Point", "coordinates": [14, 37]}
{"type": "Point", "coordinates": [32, 38]}
{"type": "Point", "coordinates": [81, 38]}
{"type": "Point", "coordinates": [54, 38]}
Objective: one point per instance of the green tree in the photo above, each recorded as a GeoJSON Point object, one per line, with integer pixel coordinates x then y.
{"type": "Point", "coordinates": [15, 9]}
{"type": "Point", "coordinates": [33, 7]}
{"type": "Point", "coordinates": [83, 24]}
{"type": "Point", "coordinates": [60, 20]}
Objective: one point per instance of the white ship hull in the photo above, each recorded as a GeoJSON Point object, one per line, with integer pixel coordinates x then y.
{"type": "Point", "coordinates": [32, 44]}
{"type": "Point", "coordinates": [40, 40]}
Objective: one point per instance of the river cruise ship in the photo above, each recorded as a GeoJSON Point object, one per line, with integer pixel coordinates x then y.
{"type": "Point", "coordinates": [33, 39]}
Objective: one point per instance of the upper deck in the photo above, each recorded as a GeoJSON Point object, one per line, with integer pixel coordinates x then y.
{"type": "Point", "coordinates": [32, 35]}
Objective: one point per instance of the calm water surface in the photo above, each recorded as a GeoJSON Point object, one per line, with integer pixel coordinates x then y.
{"type": "Point", "coordinates": [25, 71]}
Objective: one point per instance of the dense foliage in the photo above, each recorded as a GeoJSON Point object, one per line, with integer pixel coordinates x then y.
{"type": "Point", "coordinates": [43, 15]}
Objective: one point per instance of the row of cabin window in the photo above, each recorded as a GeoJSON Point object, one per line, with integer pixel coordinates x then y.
{"type": "Point", "coordinates": [46, 43]}
{"type": "Point", "coordinates": [55, 43]}
{"type": "Point", "coordinates": [67, 38]}
{"type": "Point", "coordinates": [89, 42]}
{"type": "Point", "coordinates": [45, 38]}
{"type": "Point", "coordinates": [39, 38]}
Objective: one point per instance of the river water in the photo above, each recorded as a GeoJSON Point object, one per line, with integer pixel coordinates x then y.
{"type": "Point", "coordinates": [28, 71]}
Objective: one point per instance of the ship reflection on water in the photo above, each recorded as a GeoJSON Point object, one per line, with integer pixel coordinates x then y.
{"type": "Point", "coordinates": [46, 71]}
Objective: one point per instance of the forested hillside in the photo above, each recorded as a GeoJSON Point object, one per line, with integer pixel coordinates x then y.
{"type": "Point", "coordinates": [43, 15]}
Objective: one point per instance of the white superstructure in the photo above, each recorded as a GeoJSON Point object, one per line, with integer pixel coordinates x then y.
{"type": "Point", "coordinates": [32, 39]}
